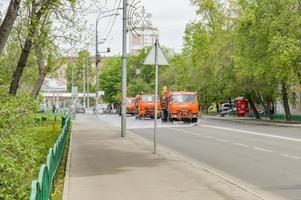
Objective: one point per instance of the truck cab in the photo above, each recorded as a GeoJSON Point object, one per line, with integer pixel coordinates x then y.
{"type": "Point", "coordinates": [131, 106]}
{"type": "Point", "coordinates": [180, 106]}
{"type": "Point", "coordinates": [146, 106]}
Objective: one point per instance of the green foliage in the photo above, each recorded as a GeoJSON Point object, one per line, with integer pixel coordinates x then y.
{"type": "Point", "coordinates": [21, 155]}
{"type": "Point", "coordinates": [140, 78]}
{"type": "Point", "coordinates": [76, 67]}
{"type": "Point", "coordinates": [110, 79]}
{"type": "Point", "coordinates": [15, 112]}
{"type": "Point", "coordinates": [239, 48]}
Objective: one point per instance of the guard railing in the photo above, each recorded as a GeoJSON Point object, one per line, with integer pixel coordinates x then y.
{"type": "Point", "coordinates": [41, 188]}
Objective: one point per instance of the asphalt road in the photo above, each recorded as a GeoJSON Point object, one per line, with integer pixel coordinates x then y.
{"type": "Point", "coordinates": [266, 158]}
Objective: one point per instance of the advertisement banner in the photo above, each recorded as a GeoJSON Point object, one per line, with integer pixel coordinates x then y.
{"type": "Point", "coordinates": [54, 84]}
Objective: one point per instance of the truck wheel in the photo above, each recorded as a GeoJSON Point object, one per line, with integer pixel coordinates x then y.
{"type": "Point", "coordinates": [164, 116]}
{"type": "Point", "coordinates": [194, 120]}
{"type": "Point", "coordinates": [169, 119]}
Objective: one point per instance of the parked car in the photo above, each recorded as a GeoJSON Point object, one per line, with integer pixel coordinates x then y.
{"type": "Point", "coordinates": [212, 109]}
{"type": "Point", "coordinates": [224, 107]}
{"type": "Point", "coordinates": [80, 109]}
{"type": "Point", "coordinates": [230, 111]}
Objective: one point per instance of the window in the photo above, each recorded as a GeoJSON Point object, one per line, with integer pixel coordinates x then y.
{"type": "Point", "coordinates": [147, 98]}
{"type": "Point", "coordinates": [131, 101]}
{"type": "Point", "coordinates": [183, 98]}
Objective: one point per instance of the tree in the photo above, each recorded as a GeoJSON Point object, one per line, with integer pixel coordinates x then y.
{"type": "Point", "coordinates": [75, 67]}
{"type": "Point", "coordinates": [208, 48]}
{"type": "Point", "coordinates": [110, 80]}
{"type": "Point", "coordinates": [8, 22]}
{"type": "Point", "coordinates": [268, 36]}
{"type": "Point", "coordinates": [38, 11]}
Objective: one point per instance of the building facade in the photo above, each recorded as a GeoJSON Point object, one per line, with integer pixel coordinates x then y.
{"type": "Point", "coordinates": [143, 37]}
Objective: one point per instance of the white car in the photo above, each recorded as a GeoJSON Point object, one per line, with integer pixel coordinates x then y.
{"type": "Point", "coordinates": [224, 106]}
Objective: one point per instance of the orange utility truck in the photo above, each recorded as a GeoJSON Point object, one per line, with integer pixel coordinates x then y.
{"type": "Point", "coordinates": [145, 106]}
{"type": "Point", "coordinates": [179, 106]}
{"type": "Point", "coordinates": [130, 106]}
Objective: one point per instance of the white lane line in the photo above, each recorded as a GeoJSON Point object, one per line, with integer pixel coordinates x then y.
{"type": "Point", "coordinates": [179, 130]}
{"type": "Point", "coordinates": [240, 144]}
{"type": "Point", "coordinates": [252, 133]}
{"type": "Point", "coordinates": [262, 149]}
{"type": "Point", "coordinates": [222, 140]}
{"type": "Point", "coordinates": [209, 137]}
{"type": "Point", "coordinates": [290, 156]}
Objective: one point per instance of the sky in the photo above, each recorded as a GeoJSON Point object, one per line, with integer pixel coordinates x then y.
{"type": "Point", "coordinates": [169, 16]}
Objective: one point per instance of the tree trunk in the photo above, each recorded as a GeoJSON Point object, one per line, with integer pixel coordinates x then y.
{"type": "Point", "coordinates": [38, 84]}
{"type": "Point", "coordinates": [230, 102]}
{"type": "Point", "coordinates": [8, 22]}
{"type": "Point", "coordinates": [286, 106]}
{"type": "Point", "coordinates": [20, 67]}
{"type": "Point", "coordinates": [34, 23]}
{"type": "Point", "coordinates": [42, 72]}
{"type": "Point", "coordinates": [265, 107]}
{"type": "Point", "coordinates": [252, 105]}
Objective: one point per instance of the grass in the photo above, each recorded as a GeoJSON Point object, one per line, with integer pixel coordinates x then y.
{"type": "Point", "coordinates": [57, 193]}
{"type": "Point", "coordinates": [21, 155]}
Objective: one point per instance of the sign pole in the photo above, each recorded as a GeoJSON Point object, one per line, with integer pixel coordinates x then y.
{"type": "Point", "coordinates": [156, 96]}
{"type": "Point", "coordinates": [156, 57]}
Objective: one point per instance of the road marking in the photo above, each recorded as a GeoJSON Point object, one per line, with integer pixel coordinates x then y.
{"type": "Point", "coordinates": [252, 133]}
{"type": "Point", "coordinates": [209, 137]}
{"type": "Point", "coordinates": [262, 149]}
{"type": "Point", "coordinates": [179, 130]}
{"type": "Point", "coordinates": [290, 156]}
{"type": "Point", "coordinates": [222, 140]}
{"type": "Point", "coordinates": [240, 144]}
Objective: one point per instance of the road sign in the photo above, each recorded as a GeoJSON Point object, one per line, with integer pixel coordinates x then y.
{"type": "Point", "coordinates": [101, 93]}
{"type": "Point", "coordinates": [156, 57]}
{"type": "Point", "coordinates": [161, 58]}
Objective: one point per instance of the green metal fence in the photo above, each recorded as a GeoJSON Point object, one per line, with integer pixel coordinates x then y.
{"type": "Point", "coordinates": [41, 188]}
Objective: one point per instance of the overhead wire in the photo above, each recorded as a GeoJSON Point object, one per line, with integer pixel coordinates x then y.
{"type": "Point", "coordinates": [114, 20]}
{"type": "Point", "coordinates": [111, 17]}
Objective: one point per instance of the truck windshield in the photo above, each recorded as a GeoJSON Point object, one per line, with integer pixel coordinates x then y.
{"type": "Point", "coordinates": [131, 101]}
{"type": "Point", "coordinates": [147, 98]}
{"type": "Point", "coordinates": [183, 98]}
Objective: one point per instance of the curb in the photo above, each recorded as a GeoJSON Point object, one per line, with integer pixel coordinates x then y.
{"type": "Point", "coordinates": [68, 167]}
{"type": "Point", "coordinates": [250, 121]}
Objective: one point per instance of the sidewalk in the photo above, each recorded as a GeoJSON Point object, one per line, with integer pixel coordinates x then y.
{"type": "Point", "coordinates": [254, 121]}
{"type": "Point", "coordinates": [102, 165]}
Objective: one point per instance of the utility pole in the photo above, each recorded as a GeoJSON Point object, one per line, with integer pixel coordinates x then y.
{"type": "Point", "coordinates": [124, 70]}
{"type": "Point", "coordinates": [97, 57]}
{"type": "Point", "coordinates": [72, 86]}
{"type": "Point", "coordinates": [87, 80]}
{"type": "Point", "coordinates": [84, 83]}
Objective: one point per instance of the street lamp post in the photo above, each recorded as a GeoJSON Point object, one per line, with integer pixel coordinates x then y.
{"type": "Point", "coordinates": [97, 57]}
{"type": "Point", "coordinates": [124, 92]}
{"type": "Point", "coordinates": [97, 53]}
